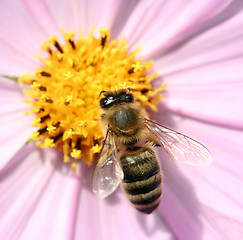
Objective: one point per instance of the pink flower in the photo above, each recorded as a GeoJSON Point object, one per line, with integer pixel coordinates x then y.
{"type": "Point", "coordinates": [197, 48]}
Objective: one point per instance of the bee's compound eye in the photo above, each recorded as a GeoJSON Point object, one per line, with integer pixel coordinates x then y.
{"type": "Point", "coordinates": [106, 102]}
{"type": "Point", "coordinates": [103, 102]}
{"type": "Point", "coordinates": [129, 98]}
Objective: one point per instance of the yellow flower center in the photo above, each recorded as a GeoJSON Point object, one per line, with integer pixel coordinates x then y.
{"type": "Point", "coordinates": [64, 91]}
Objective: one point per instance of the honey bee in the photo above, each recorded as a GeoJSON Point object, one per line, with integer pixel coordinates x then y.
{"type": "Point", "coordinates": [128, 154]}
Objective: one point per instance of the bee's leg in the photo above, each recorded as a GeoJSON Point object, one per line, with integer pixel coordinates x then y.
{"type": "Point", "coordinates": [153, 143]}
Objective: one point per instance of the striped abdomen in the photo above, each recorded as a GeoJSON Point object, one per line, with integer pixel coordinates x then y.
{"type": "Point", "coordinates": [142, 178]}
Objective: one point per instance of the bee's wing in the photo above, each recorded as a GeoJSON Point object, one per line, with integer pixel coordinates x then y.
{"type": "Point", "coordinates": [108, 173]}
{"type": "Point", "coordinates": [180, 147]}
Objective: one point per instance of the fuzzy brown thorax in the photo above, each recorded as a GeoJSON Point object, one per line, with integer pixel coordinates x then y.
{"type": "Point", "coordinates": [123, 116]}
{"type": "Point", "coordinates": [126, 121]}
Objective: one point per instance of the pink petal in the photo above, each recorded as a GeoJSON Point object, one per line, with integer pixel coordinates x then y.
{"type": "Point", "coordinates": [115, 218]}
{"type": "Point", "coordinates": [211, 93]}
{"type": "Point", "coordinates": [15, 127]}
{"type": "Point", "coordinates": [141, 17]}
{"type": "Point", "coordinates": [11, 97]}
{"type": "Point", "coordinates": [15, 131]}
{"type": "Point", "coordinates": [8, 85]}
{"type": "Point", "coordinates": [40, 12]}
{"type": "Point", "coordinates": [63, 14]}
{"type": "Point", "coordinates": [220, 43]}
{"type": "Point", "coordinates": [182, 216]}
{"type": "Point", "coordinates": [20, 39]}
{"type": "Point", "coordinates": [32, 23]}
{"type": "Point", "coordinates": [169, 22]}
{"type": "Point", "coordinates": [83, 14]}
{"type": "Point", "coordinates": [208, 199]}
{"type": "Point", "coordinates": [208, 70]}
{"type": "Point", "coordinates": [52, 198]}
{"type": "Point", "coordinates": [46, 194]}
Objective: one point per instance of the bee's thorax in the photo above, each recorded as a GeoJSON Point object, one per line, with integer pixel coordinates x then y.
{"type": "Point", "coordinates": [125, 119]}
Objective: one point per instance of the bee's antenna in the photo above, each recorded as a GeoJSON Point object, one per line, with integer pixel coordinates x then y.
{"type": "Point", "coordinates": [101, 92]}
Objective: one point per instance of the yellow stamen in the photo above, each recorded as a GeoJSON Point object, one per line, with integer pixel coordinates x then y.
{"type": "Point", "coordinates": [76, 153]}
{"type": "Point", "coordinates": [51, 129]}
{"type": "Point", "coordinates": [65, 90]}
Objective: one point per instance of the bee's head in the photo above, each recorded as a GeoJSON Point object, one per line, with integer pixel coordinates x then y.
{"type": "Point", "coordinates": [113, 97]}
